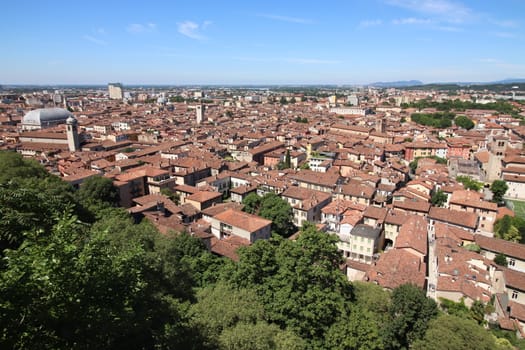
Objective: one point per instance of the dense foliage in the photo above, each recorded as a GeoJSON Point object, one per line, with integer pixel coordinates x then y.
{"type": "Point", "coordinates": [457, 105]}
{"type": "Point", "coordinates": [510, 228]}
{"type": "Point", "coordinates": [469, 183]}
{"type": "Point", "coordinates": [274, 208]}
{"type": "Point", "coordinates": [464, 122]}
{"type": "Point", "coordinates": [439, 198]}
{"type": "Point", "coordinates": [439, 120]}
{"type": "Point", "coordinates": [88, 277]}
{"type": "Point", "coordinates": [498, 189]}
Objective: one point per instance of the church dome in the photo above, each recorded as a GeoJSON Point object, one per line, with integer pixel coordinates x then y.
{"type": "Point", "coordinates": [46, 116]}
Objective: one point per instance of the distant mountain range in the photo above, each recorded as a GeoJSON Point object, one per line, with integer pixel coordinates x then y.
{"type": "Point", "coordinates": [407, 83]}
{"type": "Point", "coordinates": [401, 83]}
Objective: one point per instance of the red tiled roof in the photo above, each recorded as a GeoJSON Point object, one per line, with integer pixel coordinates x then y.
{"type": "Point", "coordinates": [510, 249]}
{"type": "Point", "coordinates": [228, 247]}
{"type": "Point", "coordinates": [204, 196]}
{"type": "Point", "coordinates": [471, 199]}
{"type": "Point", "coordinates": [514, 279]}
{"type": "Point", "coordinates": [375, 213]}
{"type": "Point", "coordinates": [220, 207]}
{"type": "Point", "coordinates": [502, 211]}
{"type": "Point", "coordinates": [456, 217]}
{"type": "Point", "coordinates": [413, 234]}
{"type": "Point", "coordinates": [396, 267]}
{"type": "Point", "coordinates": [517, 311]}
{"type": "Point", "coordinates": [443, 230]}
{"type": "Point", "coordinates": [242, 220]}
{"type": "Point", "coordinates": [412, 205]}
{"type": "Point", "coordinates": [396, 217]}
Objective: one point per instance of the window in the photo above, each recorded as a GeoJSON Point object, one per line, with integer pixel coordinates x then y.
{"type": "Point", "coordinates": [368, 250]}
{"type": "Point", "coordinates": [512, 262]}
{"type": "Point", "coordinates": [514, 294]}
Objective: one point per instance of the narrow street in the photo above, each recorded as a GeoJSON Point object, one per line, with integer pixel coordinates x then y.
{"type": "Point", "coordinates": [432, 267]}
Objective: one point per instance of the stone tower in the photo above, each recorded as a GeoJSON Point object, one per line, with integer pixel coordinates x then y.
{"type": "Point", "coordinates": [200, 113]}
{"type": "Point", "coordinates": [72, 134]}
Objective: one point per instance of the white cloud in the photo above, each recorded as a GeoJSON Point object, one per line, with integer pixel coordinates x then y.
{"type": "Point", "coordinates": [449, 29]}
{"type": "Point", "coordinates": [141, 28]}
{"type": "Point", "coordinates": [488, 60]}
{"type": "Point", "coordinates": [445, 9]}
{"type": "Point", "coordinates": [286, 18]}
{"type": "Point", "coordinates": [370, 23]}
{"type": "Point", "coordinates": [504, 34]}
{"type": "Point", "coordinates": [193, 30]}
{"type": "Point", "coordinates": [95, 40]}
{"type": "Point", "coordinates": [505, 23]}
{"type": "Point", "coordinates": [412, 20]}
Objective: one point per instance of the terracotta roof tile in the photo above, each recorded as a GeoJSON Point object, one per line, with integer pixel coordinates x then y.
{"type": "Point", "coordinates": [456, 217]}
{"type": "Point", "coordinates": [240, 219]}
{"type": "Point", "coordinates": [413, 234]}
{"type": "Point", "coordinates": [396, 267]}
{"type": "Point", "coordinates": [510, 249]}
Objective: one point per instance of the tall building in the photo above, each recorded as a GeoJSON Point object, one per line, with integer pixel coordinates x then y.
{"type": "Point", "coordinates": [115, 91]}
{"type": "Point", "coordinates": [72, 134]}
{"type": "Point", "coordinates": [200, 113]}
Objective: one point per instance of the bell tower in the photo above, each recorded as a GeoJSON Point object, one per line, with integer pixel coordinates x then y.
{"type": "Point", "coordinates": [72, 134]}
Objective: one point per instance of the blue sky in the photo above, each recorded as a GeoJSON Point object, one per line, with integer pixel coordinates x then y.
{"type": "Point", "coordinates": [260, 42]}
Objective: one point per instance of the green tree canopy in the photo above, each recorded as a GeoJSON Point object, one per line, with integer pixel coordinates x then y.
{"type": "Point", "coordinates": [252, 203]}
{"type": "Point", "coordinates": [439, 198]}
{"type": "Point", "coordinates": [221, 306]}
{"type": "Point", "coordinates": [24, 209]}
{"type": "Point", "coordinates": [453, 332]}
{"type": "Point", "coordinates": [464, 122]}
{"type": "Point", "coordinates": [469, 183]}
{"type": "Point", "coordinates": [98, 190]}
{"type": "Point", "coordinates": [29, 198]}
{"type": "Point", "coordinates": [358, 330]}
{"type": "Point", "coordinates": [506, 229]}
{"type": "Point", "coordinates": [274, 208]}
{"type": "Point", "coordinates": [299, 282]}
{"type": "Point", "coordinates": [13, 165]}
{"type": "Point", "coordinates": [78, 289]}
{"type": "Point", "coordinates": [498, 189]}
{"type": "Point", "coordinates": [439, 120]}
{"type": "Point", "coordinates": [410, 313]}
{"type": "Point", "coordinates": [277, 210]}
{"type": "Point", "coordinates": [501, 259]}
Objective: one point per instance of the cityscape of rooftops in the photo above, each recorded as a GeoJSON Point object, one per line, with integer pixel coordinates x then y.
{"type": "Point", "coordinates": [262, 175]}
